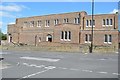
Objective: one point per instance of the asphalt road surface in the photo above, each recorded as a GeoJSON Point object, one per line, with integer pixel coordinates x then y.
{"type": "Point", "coordinates": [37, 64]}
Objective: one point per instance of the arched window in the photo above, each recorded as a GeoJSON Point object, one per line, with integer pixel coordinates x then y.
{"type": "Point", "coordinates": [69, 33]}
{"type": "Point", "coordinates": [65, 34]}
{"type": "Point", "coordinates": [62, 35]}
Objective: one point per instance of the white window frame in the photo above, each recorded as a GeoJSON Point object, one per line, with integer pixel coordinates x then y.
{"type": "Point", "coordinates": [46, 23]}
{"type": "Point", "coordinates": [39, 23]}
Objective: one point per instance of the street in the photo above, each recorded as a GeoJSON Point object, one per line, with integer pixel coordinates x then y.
{"type": "Point", "coordinates": [43, 64]}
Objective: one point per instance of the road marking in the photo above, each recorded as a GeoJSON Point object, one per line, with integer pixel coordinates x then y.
{"type": "Point", "coordinates": [74, 69]}
{"type": "Point", "coordinates": [34, 74]}
{"type": "Point", "coordinates": [115, 73]}
{"type": "Point", "coordinates": [40, 59]}
{"type": "Point", "coordinates": [87, 70]}
{"type": "Point", "coordinates": [62, 68]}
{"type": "Point", "coordinates": [103, 72]}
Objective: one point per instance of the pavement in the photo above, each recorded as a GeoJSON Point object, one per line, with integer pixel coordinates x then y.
{"type": "Point", "coordinates": [45, 64]}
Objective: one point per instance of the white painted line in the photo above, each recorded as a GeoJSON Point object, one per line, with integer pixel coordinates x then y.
{"type": "Point", "coordinates": [74, 69]}
{"type": "Point", "coordinates": [115, 74]}
{"type": "Point", "coordinates": [34, 74]}
{"type": "Point", "coordinates": [40, 59]}
{"type": "Point", "coordinates": [62, 68]}
{"type": "Point", "coordinates": [87, 70]}
{"type": "Point", "coordinates": [103, 72]}
{"type": "Point", "coordinates": [33, 65]}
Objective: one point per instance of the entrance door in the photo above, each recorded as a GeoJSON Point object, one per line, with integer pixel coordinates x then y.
{"type": "Point", "coordinates": [49, 38]}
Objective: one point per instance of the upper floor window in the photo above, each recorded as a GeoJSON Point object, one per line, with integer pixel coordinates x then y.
{"type": "Point", "coordinates": [77, 20]}
{"type": "Point", "coordinates": [39, 23]}
{"type": "Point", "coordinates": [93, 22]}
{"type": "Point", "coordinates": [110, 21]}
{"type": "Point", "coordinates": [103, 21]}
{"type": "Point", "coordinates": [66, 20]}
{"type": "Point", "coordinates": [90, 22]}
{"type": "Point", "coordinates": [32, 24]}
{"type": "Point", "coordinates": [107, 20]}
{"type": "Point", "coordinates": [56, 21]}
{"type": "Point", "coordinates": [87, 23]}
{"type": "Point", "coordinates": [25, 24]}
{"type": "Point", "coordinates": [47, 23]}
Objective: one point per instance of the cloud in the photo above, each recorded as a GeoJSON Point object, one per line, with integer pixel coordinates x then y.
{"type": "Point", "coordinates": [13, 7]}
{"type": "Point", "coordinates": [114, 11]}
{"type": "Point", "coordinates": [6, 14]}
{"type": "Point", "coordinates": [11, 23]}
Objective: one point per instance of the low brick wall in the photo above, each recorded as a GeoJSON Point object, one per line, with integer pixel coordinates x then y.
{"type": "Point", "coordinates": [46, 46]}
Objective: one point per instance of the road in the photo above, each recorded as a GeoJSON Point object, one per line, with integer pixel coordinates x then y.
{"type": "Point", "coordinates": [43, 64]}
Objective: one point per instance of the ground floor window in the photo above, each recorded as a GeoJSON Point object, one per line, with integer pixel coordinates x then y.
{"type": "Point", "coordinates": [88, 38]}
{"type": "Point", "coordinates": [107, 38]}
{"type": "Point", "coordinates": [66, 35]}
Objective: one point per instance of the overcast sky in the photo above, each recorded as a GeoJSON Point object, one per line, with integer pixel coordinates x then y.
{"type": "Point", "coordinates": [9, 11]}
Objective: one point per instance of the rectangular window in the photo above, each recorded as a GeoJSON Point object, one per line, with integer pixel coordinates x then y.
{"type": "Point", "coordinates": [56, 21]}
{"type": "Point", "coordinates": [25, 24]}
{"type": "Point", "coordinates": [32, 24]}
{"type": "Point", "coordinates": [75, 20]}
{"type": "Point", "coordinates": [66, 20]}
{"type": "Point", "coordinates": [39, 23]}
{"type": "Point", "coordinates": [47, 23]}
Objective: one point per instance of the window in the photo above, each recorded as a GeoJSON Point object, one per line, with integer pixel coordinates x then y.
{"type": "Point", "coordinates": [65, 20]}
{"type": "Point", "coordinates": [25, 24]}
{"type": "Point", "coordinates": [69, 33]}
{"type": "Point", "coordinates": [107, 22]}
{"type": "Point", "coordinates": [47, 23]}
{"type": "Point", "coordinates": [110, 38]}
{"type": "Point", "coordinates": [87, 23]}
{"type": "Point", "coordinates": [110, 21]}
{"type": "Point", "coordinates": [106, 40]}
{"type": "Point", "coordinates": [103, 22]}
{"type": "Point", "coordinates": [65, 34]}
{"type": "Point", "coordinates": [32, 24]}
{"type": "Point", "coordinates": [56, 21]}
{"type": "Point", "coordinates": [90, 22]}
{"type": "Point", "coordinates": [86, 37]}
{"type": "Point", "coordinates": [75, 20]}
{"type": "Point", "coordinates": [39, 23]}
{"type": "Point", "coordinates": [62, 35]}
{"type": "Point", "coordinates": [93, 22]}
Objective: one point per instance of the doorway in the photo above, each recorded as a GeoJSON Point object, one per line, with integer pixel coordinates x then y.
{"type": "Point", "coordinates": [49, 38]}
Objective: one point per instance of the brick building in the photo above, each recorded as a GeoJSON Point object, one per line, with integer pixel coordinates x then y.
{"type": "Point", "coordinates": [73, 28]}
